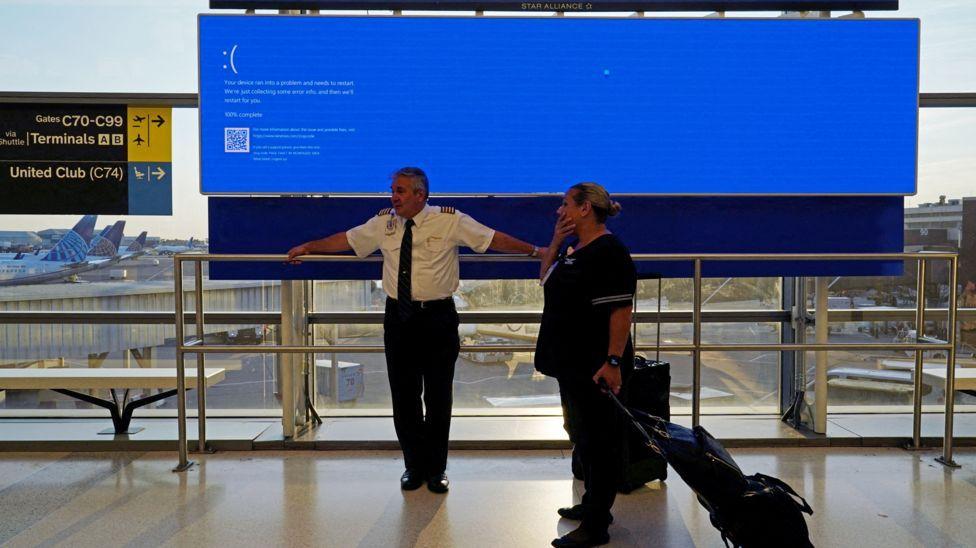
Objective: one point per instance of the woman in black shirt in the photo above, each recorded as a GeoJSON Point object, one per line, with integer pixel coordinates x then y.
{"type": "Point", "coordinates": [585, 339]}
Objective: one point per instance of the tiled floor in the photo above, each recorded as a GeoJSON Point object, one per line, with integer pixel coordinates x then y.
{"type": "Point", "coordinates": [862, 497]}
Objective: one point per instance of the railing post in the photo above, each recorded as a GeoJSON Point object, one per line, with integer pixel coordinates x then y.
{"type": "Point", "coordinates": [950, 385]}
{"type": "Point", "coordinates": [285, 361]}
{"type": "Point", "coordinates": [919, 356]}
{"type": "Point", "coordinates": [293, 318]}
{"type": "Point", "coordinates": [696, 341]}
{"type": "Point", "coordinates": [184, 463]}
{"type": "Point", "coordinates": [201, 378]}
{"type": "Point", "coordinates": [822, 327]}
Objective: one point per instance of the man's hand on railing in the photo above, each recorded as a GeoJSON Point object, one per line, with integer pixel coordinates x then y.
{"type": "Point", "coordinates": [297, 251]}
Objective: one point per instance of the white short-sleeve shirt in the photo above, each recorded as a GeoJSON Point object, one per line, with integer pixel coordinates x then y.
{"type": "Point", "coordinates": [437, 233]}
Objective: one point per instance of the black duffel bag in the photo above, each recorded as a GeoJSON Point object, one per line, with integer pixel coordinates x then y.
{"type": "Point", "coordinates": [768, 514]}
{"type": "Point", "coordinates": [648, 390]}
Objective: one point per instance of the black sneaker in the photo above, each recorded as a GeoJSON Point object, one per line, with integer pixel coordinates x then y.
{"type": "Point", "coordinates": [575, 513]}
{"type": "Point", "coordinates": [581, 538]}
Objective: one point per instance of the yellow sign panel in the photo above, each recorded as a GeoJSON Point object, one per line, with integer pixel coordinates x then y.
{"type": "Point", "coordinates": [150, 133]}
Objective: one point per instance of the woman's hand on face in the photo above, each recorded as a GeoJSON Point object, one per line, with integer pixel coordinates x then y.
{"type": "Point", "coordinates": [564, 227]}
{"type": "Point", "coordinates": [611, 376]}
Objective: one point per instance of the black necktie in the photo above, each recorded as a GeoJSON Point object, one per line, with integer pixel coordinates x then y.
{"type": "Point", "coordinates": [404, 305]}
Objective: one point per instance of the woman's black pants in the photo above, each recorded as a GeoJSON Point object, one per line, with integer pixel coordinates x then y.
{"type": "Point", "coordinates": [592, 418]}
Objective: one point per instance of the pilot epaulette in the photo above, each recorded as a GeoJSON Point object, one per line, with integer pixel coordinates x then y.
{"type": "Point", "coordinates": [385, 211]}
{"type": "Point", "coordinates": [448, 209]}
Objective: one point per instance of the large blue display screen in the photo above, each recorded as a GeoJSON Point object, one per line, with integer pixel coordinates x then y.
{"type": "Point", "coordinates": [333, 105]}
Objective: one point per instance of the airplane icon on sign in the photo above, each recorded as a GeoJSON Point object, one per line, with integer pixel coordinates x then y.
{"type": "Point", "coordinates": [138, 140]}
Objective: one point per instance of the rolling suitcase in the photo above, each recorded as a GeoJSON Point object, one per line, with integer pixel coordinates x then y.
{"type": "Point", "coordinates": [647, 389]}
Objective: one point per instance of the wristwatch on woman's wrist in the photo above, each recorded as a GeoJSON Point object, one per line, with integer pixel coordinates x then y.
{"type": "Point", "coordinates": [613, 360]}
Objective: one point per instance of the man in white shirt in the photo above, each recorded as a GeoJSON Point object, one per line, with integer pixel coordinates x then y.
{"type": "Point", "coordinates": [420, 244]}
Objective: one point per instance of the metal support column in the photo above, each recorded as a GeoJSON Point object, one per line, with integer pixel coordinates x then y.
{"type": "Point", "coordinates": [696, 341]}
{"type": "Point", "coordinates": [292, 334]}
{"type": "Point", "coordinates": [286, 360]}
{"type": "Point", "coordinates": [793, 374]}
{"type": "Point", "coordinates": [919, 356]}
{"type": "Point", "coordinates": [184, 463]}
{"type": "Point", "coordinates": [950, 386]}
{"type": "Point", "coordinates": [201, 380]}
{"type": "Point", "coordinates": [822, 326]}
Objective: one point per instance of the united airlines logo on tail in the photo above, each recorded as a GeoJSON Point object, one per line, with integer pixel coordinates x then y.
{"type": "Point", "coordinates": [102, 247]}
{"type": "Point", "coordinates": [71, 248]}
{"type": "Point", "coordinates": [139, 243]}
{"type": "Point", "coordinates": [107, 243]}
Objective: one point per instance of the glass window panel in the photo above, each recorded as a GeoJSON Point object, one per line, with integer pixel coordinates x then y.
{"type": "Point", "coordinates": [250, 383]}
{"type": "Point", "coordinates": [717, 294]}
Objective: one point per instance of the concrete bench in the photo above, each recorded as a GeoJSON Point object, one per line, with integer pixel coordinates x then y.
{"type": "Point", "coordinates": [909, 365]}
{"type": "Point", "coordinates": [68, 380]}
{"type": "Point", "coordinates": [965, 379]}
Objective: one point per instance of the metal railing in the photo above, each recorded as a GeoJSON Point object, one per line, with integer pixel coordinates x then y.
{"type": "Point", "coordinates": [197, 347]}
{"type": "Point", "coordinates": [272, 317]}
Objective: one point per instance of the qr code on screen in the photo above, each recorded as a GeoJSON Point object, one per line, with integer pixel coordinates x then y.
{"type": "Point", "coordinates": [237, 139]}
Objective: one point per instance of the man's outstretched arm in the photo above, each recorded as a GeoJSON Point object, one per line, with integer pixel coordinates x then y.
{"type": "Point", "coordinates": [504, 243]}
{"type": "Point", "coordinates": [331, 244]}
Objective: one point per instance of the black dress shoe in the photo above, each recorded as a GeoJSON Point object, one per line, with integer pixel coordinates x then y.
{"type": "Point", "coordinates": [575, 513]}
{"type": "Point", "coordinates": [410, 480]}
{"type": "Point", "coordinates": [438, 483]}
{"type": "Point", "coordinates": [581, 538]}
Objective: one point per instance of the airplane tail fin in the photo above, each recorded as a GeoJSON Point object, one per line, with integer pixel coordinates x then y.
{"type": "Point", "coordinates": [139, 244]}
{"type": "Point", "coordinates": [74, 245]}
{"type": "Point", "coordinates": [107, 245]}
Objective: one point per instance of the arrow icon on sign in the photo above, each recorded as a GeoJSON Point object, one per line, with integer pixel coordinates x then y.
{"type": "Point", "coordinates": [159, 173]}
{"type": "Point", "coordinates": [158, 120]}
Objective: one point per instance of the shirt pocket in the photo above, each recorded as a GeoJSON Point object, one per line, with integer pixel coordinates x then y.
{"type": "Point", "coordinates": [435, 244]}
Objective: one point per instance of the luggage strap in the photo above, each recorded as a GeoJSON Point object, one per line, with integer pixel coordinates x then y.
{"type": "Point", "coordinates": [782, 485]}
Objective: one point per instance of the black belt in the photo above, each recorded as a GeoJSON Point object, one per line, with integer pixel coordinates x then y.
{"type": "Point", "coordinates": [437, 304]}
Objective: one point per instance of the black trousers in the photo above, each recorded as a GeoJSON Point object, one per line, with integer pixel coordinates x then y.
{"type": "Point", "coordinates": [420, 357]}
{"type": "Point", "coordinates": [595, 429]}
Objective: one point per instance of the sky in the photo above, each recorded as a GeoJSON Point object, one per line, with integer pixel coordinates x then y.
{"type": "Point", "coordinates": [141, 46]}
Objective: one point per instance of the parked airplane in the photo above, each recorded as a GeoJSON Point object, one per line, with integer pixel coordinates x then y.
{"type": "Point", "coordinates": [65, 259]}
{"type": "Point", "coordinates": [174, 249]}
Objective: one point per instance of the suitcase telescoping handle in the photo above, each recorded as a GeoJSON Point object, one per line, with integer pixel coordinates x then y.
{"type": "Point", "coordinates": [630, 417]}
{"type": "Point", "coordinates": [657, 347]}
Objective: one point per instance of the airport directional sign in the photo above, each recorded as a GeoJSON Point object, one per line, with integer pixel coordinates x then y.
{"type": "Point", "coordinates": [85, 158]}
